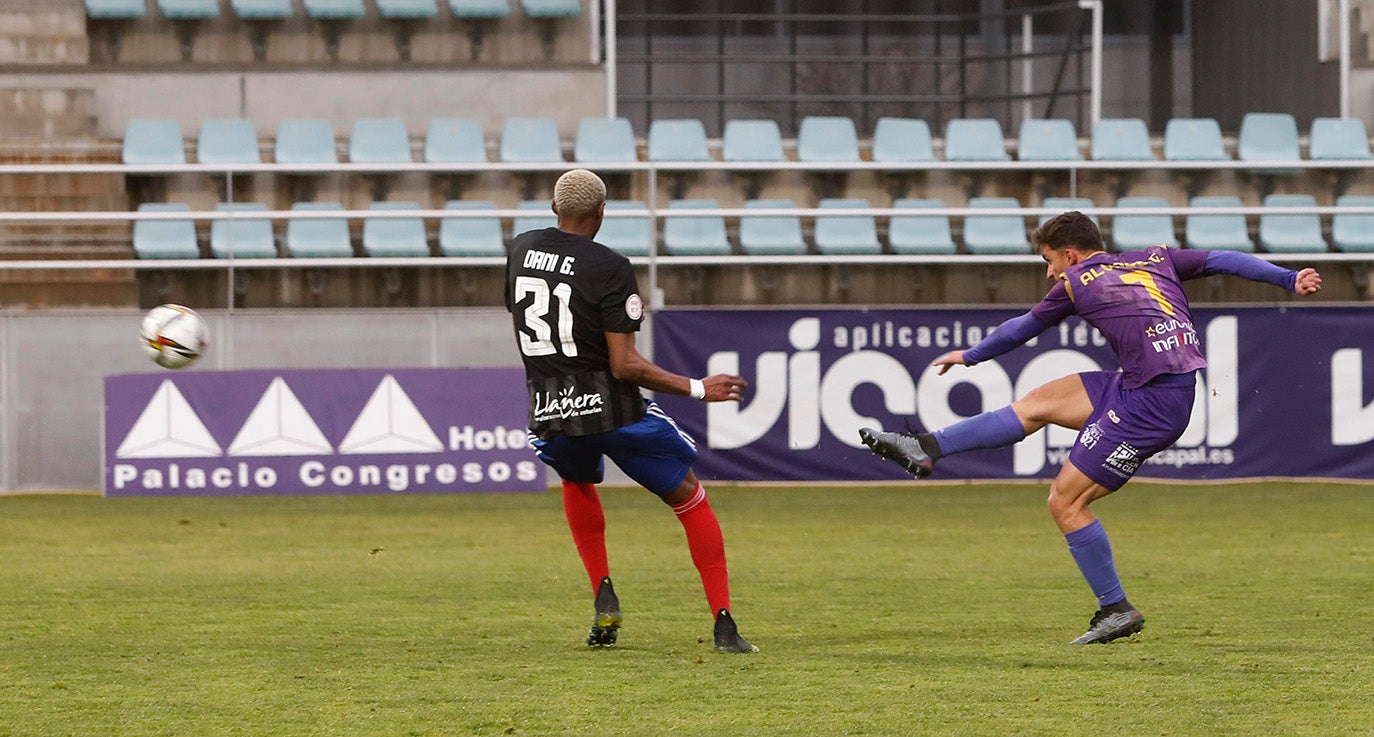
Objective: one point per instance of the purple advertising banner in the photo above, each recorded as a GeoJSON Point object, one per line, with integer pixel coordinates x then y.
{"type": "Point", "coordinates": [1288, 392]}
{"type": "Point", "coordinates": [337, 431]}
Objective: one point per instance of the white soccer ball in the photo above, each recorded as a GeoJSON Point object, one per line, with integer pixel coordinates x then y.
{"type": "Point", "coordinates": [174, 336]}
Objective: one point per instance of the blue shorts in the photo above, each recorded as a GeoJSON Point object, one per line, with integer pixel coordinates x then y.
{"type": "Point", "coordinates": [1129, 425]}
{"type": "Point", "coordinates": [654, 452]}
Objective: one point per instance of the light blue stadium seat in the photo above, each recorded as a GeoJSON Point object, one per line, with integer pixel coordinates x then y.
{"type": "Point", "coordinates": [1353, 232]}
{"type": "Point", "coordinates": [480, 8]}
{"type": "Point", "coordinates": [306, 141]}
{"type": "Point", "coordinates": [846, 234]}
{"type": "Point", "coordinates": [1134, 232]}
{"type": "Point", "coordinates": [318, 237]}
{"type": "Point", "coordinates": [159, 239]}
{"type": "Point", "coordinates": [1291, 233]}
{"type": "Point", "coordinates": [243, 238]}
{"type": "Point", "coordinates": [188, 9]}
{"type": "Point", "coordinates": [678, 140]}
{"type": "Point", "coordinates": [1065, 204]}
{"type": "Point", "coordinates": [262, 9]}
{"type": "Point", "coordinates": [393, 237]}
{"type": "Point", "coordinates": [919, 234]}
{"type": "Point", "coordinates": [454, 141]}
{"type": "Point", "coordinates": [770, 234]}
{"type": "Point", "coordinates": [1194, 139]}
{"type": "Point", "coordinates": [604, 140]}
{"type": "Point", "coordinates": [153, 141]}
{"type": "Point", "coordinates": [752, 140]}
{"type": "Point", "coordinates": [993, 234]}
{"type": "Point", "coordinates": [552, 8]}
{"type": "Point", "coordinates": [471, 236]}
{"type": "Point", "coordinates": [1047, 139]}
{"type": "Point", "coordinates": [1268, 137]}
{"type": "Point", "coordinates": [113, 9]}
{"type": "Point", "coordinates": [1121, 139]}
{"type": "Point", "coordinates": [1217, 232]}
{"type": "Point", "coordinates": [379, 141]}
{"type": "Point", "coordinates": [629, 236]}
{"type": "Point", "coordinates": [228, 141]}
{"type": "Point", "coordinates": [827, 138]}
{"type": "Point", "coordinates": [335, 9]}
{"type": "Point", "coordinates": [530, 141]}
{"type": "Point", "coordinates": [975, 139]}
{"type": "Point", "coordinates": [407, 9]}
{"type": "Point", "coordinates": [540, 216]}
{"type": "Point", "coordinates": [902, 141]}
{"type": "Point", "coordinates": [1338, 138]}
{"type": "Point", "coordinates": [694, 236]}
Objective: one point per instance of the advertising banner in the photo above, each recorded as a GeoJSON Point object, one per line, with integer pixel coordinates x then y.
{"type": "Point", "coordinates": [1288, 392]}
{"type": "Point", "coordinates": [338, 431]}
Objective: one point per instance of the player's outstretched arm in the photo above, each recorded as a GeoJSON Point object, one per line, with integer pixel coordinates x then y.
{"type": "Point", "coordinates": [1307, 282]}
{"type": "Point", "coordinates": [628, 365]}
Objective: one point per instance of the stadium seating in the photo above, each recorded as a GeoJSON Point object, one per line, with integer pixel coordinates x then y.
{"type": "Point", "coordinates": [694, 236]}
{"type": "Point", "coordinates": [1122, 139]}
{"type": "Point", "coordinates": [678, 140]}
{"type": "Point", "coordinates": [262, 9]}
{"type": "Point", "coordinates": [975, 139]}
{"type": "Point", "coordinates": [601, 140]}
{"type": "Point", "coordinates": [1338, 139]}
{"type": "Point", "coordinates": [770, 234]}
{"type": "Point", "coordinates": [1291, 233]}
{"type": "Point", "coordinates": [919, 234]}
{"type": "Point", "coordinates": [1047, 140]}
{"type": "Point", "coordinates": [1065, 204]}
{"type": "Point", "coordinates": [165, 239]}
{"type": "Point", "coordinates": [1268, 137]}
{"type": "Point", "coordinates": [752, 140]}
{"type": "Point", "coordinates": [551, 8]}
{"type": "Point", "coordinates": [318, 237]}
{"type": "Point", "coordinates": [1217, 232]}
{"type": "Point", "coordinates": [827, 139]}
{"type": "Point", "coordinates": [902, 141]}
{"type": "Point", "coordinates": [530, 141]}
{"type": "Point", "coordinates": [454, 141]}
{"type": "Point", "coordinates": [1352, 232]}
{"type": "Point", "coordinates": [306, 141]}
{"type": "Point", "coordinates": [539, 217]}
{"type": "Point", "coordinates": [379, 141]}
{"type": "Point", "coordinates": [1133, 232]}
{"type": "Point", "coordinates": [113, 9]}
{"type": "Point", "coordinates": [407, 9]}
{"type": "Point", "coordinates": [846, 234]}
{"type": "Point", "coordinates": [153, 141]}
{"type": "Point", "coordinates": [242, 238]}
{"type": "Point", "coordinates": [188, 9]}
{"type": "Point", "coordinates": [228, 141]}
{"type": "Point", "coordinates": [471, 236]}
{"type": "Point", "coordinates": [403, 237]}
{"type": "Point", "coordinates": [334, 9]}
{"type": "Point", "coordinates": [630, 236]}
{"type": "Point", "coordinates": [995, 234]}
{"type": "Point", "coordinates": [1194, 139]}
{"type": "Point", "coordinates": [480, 8]}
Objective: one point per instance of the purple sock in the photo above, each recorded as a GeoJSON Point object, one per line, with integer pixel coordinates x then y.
{"type": "Point", "coordinates": [996, 429]}
{"type": "Point", "coordinates": [1092, 551]}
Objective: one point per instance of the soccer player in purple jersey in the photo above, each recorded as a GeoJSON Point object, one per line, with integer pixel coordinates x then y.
{"type": "Point", "coordinates": [1136, 301]}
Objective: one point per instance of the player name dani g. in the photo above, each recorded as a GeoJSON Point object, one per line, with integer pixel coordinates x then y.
{"type": "Point", "coordinates": [551, 262]}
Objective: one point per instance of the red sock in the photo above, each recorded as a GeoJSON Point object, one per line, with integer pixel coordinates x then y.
{"type": "Point", "coordinates": [707, 546]}
{"type": "Point", "coordinates": [587, 521]}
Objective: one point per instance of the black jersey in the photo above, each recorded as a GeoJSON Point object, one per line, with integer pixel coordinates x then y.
{"type": "Point", "coordinates": [564, 292]}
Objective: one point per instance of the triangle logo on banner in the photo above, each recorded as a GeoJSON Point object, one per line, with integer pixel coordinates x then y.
{"type": "Point", "coordinates": [390, 423]}
{"type": "Point", "coordinates": [279, 426]}
{"type": "Point", "coordinates": [168, 428]}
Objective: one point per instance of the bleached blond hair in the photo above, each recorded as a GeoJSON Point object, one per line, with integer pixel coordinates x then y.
{"type": "Point", "coordinates": [578, 192]}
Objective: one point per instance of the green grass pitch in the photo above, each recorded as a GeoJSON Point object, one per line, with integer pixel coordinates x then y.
{"type": "Point", "coordinates": [880, 610]}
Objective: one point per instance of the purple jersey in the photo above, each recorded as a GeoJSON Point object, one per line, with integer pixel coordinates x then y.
{"type": "Point", "coordinates": [1136, 301]}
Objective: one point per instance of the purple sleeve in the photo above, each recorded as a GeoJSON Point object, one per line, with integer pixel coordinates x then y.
{"type": "Point", "coordinates": [1007, 336]}
{"type": "Point", "coordinates": [1192, 264]}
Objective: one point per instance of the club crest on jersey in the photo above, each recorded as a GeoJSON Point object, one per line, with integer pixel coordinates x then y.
{"type": "Point", "coordinates": [634, 307]}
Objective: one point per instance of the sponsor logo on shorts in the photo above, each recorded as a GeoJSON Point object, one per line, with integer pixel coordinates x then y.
{"type": "Point", "coordinates": [1090, 435]}
{"type": "Point", "coordinates": [1125, 458]}
{"type": "Point", "coordinates": [1111, 415]}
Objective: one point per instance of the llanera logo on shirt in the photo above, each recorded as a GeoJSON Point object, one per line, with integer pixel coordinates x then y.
{"type": "Point", "coordinates": [565, 404]}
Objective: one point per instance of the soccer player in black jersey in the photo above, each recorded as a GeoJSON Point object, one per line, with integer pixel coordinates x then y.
{"type": "Point", "coordinates": [576, 307]}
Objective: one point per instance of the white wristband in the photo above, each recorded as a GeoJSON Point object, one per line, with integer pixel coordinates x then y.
{"type": "Point", "coordinates": [696, 388]}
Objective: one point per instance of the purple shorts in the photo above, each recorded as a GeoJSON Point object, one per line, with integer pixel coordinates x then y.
{"type": "Point", "coordinates": [1129, 425]}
